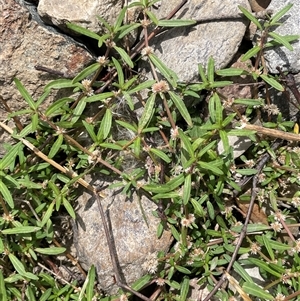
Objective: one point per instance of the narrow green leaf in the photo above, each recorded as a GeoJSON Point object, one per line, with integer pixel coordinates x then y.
{"type": "Point", "coordinates": [250, 53]}
{"type": "Point", "coordinates": [182, 269]}
{"type": "Point", "coordinates": [232, 72]}
{"type": "Point", "coordinates": [247, 171]}
{"type": "Point", "coordinates": [111, 146]}
{"type": "Point", "coordinates": [83, 31]}
{"type": "Point", "coordinates": [211, 70]}
{"type": "Point", "coordinates": [98, 97]}
{"type": "Point", "coordinates": [124, 56]}
{"type": "Point", "coordinates": [141, 86]}
{"type": "Point", "coordinates": [186, 144]}
{"type": "Point", "coordinates": [56, 146]}
{"type": "Point", "coordinates": [90, 129]}
{"type": "Point", "coordinates": [126, 29]}
{"type": "Point", "coordinates": [170, 76]}
{"type": "Point", "coordinates": [91, 282]}
{"type": "Point", "coordinates": [220, 84]}
{"type": "Point", "coordinates": [250, 16]}
{"type": "Point", "coordinates": [198, 208]}
{"type": "Point", "coordinates": [10, 156]}
{"type": "Point", "coordinates": [147, 113]}
{"type": "Point", "coordinates": [86, 72]}
{"type": "Point", "coordinates": [225, 140]}
{"type": "Point", "coordinates": [105, 126]}
{"type": "Point", "coordinates": [25, 94]}
{"type": "Point", "coordinates": [6, 195]}
{"type": "Point", "coordinates": [127, 125]}
{"type": "Point", "coordinates": [279, 14]}
{"type": "Point", "coordinates": [120, 19]}
{"type": "Point", "coordinates": [3, 294]}
{"type": "Point", "coordinates": [50, 251]}
{"type": "Point", "coordinates": [21, 230]}
{"type": "Point", "coordinates": [205, 149]}
{"type": "Point", "coordinates": [268, 247]}
{"type": "Point", "coordinates": [18, 265]}
{"type": "Point", "coordinates": [187, 187]}
{"type": "Point", "coordinates": [210, 210]}
{"type": "Point", "coordinates": [288, 38]}
{"type": "Point", "coordinates": [240, 270]}
{"type": "Point", "coordinates": [254, 290]}
{"type": "Point", "coordinates": [57, 105]}
{"type": "Point", "coordinates": [119, 71]}
{"type": "Point", "coordinates": [160, 154]}
{"type": "Point", "coordinates": [201, 72]}
{"type": "Point", "coordinates": [69, 208]}
{"type": "Point", "coordinates": [184, 288]}
{"type": "Point", "coordinates": [46, 295]}
{"type": "Point", "coordinates": [60, 84]}
{"type": "Point", "coordinates": [180, 105]}
{"type": "Point", "coordinates": [141, 283]}
{"type": "Point", "coordinates": [209, 166]}
{"type": "Point", "coordinates": [281, 40]}
{"type": "Point", "coordinates": [48, 214]}
{"type": "Point", "coordinates": [78, 110]}
{"type": "Point", "coordinates": [251, 228]}
{"type": "Point", "coordinates": [248, 101]}
{"type": "Point", "coordinates": [152, 16]}
{"type": "Point", "coordinates": [166, 195]}
{"type": "Point", "coordinates": [170, 186]}
{"type": "Point", "coordinates": [175, 23]}
{"type": "Point", "coordinates": [137, 146]}
{"type": "Point", "coordinates": [34, 122]}
{"type": "Point", "coordinates": [272, 82]}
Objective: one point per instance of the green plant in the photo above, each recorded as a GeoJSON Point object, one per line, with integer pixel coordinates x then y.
{"type": "Point", "coordinates": [196, 187]}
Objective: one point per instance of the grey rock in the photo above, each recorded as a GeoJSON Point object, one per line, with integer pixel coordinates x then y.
{"type": "Point", "coordinates": [134, 237]}
{"type": "Point", "coordinates": [80, 12]}
{"type": "Point", "coordinates": [281, 56]}
{"type": "Point", "coordinates": [182, 49]}
{"type": "Point", "coordinates": [24, 44]}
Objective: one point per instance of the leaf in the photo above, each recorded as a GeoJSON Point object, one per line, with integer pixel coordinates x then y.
{"type": "Point", "coordinates": [50, 251]}
{"type": "Point", "coordinates": [279, 14]}
{"type": "Point", "coordinates": [211, 70]}
{"type": "Point", "coordinates": [198, 208]}
{"type": "Point", "coordinates": [182, 269]}
{"type": "Point", "coordinates": [105, 125]}
{"type": "Point", "coordinates": [60, 84]}
{"type": "Point", "coordinates": [57, 105]}
{"type": "Point", "coordinates": [48, 214]}
{"type": "Point", "coordinates": [225, 141]}
{"type": "Point", "coordinates": [141, 282]}
{"type": "Point", "coordinates": [6, 195]}
{"type": "Point", "coordinates": [186, 144]}
{"type": "Point", "coordinates": [251, 228]}
{"type": "Point", "coordinates": [85, 72]}
{"type": "Point", "coordinates": [201, 72]}
{"type": "Point", "coordinates": [272, 82]}
{"type": "Point", "coordinates": [170, 76]}
{"type": "Point", "coordinates": [20, 230]}
{"type": "Point", "coordinates": [2, 287]}
{"type": "Point", "coordinates": [127, 125]}
{"type": "Point", "coordinates": [25, 94]}
{"type": "Point", "coordinates": [147, 113]}
{"type": "Point", "coordinates": [10, 156]}
{"type": "Point", "coordinates": [56, 146]}
{"type": "Point", "coordinates": [124, 56]}
{"type": "Point", "coordinates": [281, 39]}
{"type": "Point", "coordinates": [254, 290]}
{"type": "Point", "coordinates": [126, 29]}
{"type": "Point", "coordinates": [232, 72]}
{"type": "Point", "coordinates": [240, 270]}
{"type": "Point", "coordinates": [142, 86]}
{"type": "Point", "coordinates": [250, 53]}
{"type": "Point", "coordinates": [78, 110]}
{"type": "Point", "coordinates": [187, 187]}
{"type": "Point", "coordinates": [268, 247]}
{"type": "Point", "coordinates": [69, 208]}
{"type": "Point", "coordinates": [83, 31]}
{"type": "Point", "coordinates": [180, 105]}
{"type": "Point", "coordinates": [160, 154]}
{"type": "Point", "coordinates": [184, 288]}
{"type": "Point", "coordinates": [19, 267]}
{"type": "Point", "coordinates": [210, 210]}
{"type": "Point", "coordinates": [209, 166]}
{"type": "Point", "coordinates": [119, 71]}
{"type": "Point", "coordinates": [250, 16]}
{"type": "Point", "coordinates": [90, 129]}
{"type": "Point", "coordinates": [175, 23]}
{"type": "Point", "coordinates": [91, 282]}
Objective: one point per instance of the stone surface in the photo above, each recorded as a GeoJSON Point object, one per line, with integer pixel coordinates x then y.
{"type": "Point", "coordinates": [259, 5]}
{"type": "Point", "coordinates": [80, 12]}
{"type": "Point", "coordinates": [182, 49]}
{"type": "Point", "coordinates": [281, 56]}
{"type": "Point", "coordinates": [134, 241]}
{"type": "Point", "coordinates": [24, 43]}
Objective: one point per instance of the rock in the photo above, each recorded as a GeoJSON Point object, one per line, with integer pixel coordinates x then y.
{"type": "Point", "coordinates": [259, 5]}
{"type": "Point", "coordinates": [281, 56]}
{"type": "Point", "coordinates": [136, 243]}
{"type": "Point", "coordinates": [83, 13]}
{"type": "Point", "coordinates": [182, 49]}
{"type": "Point", "coordinates": [24, 44]}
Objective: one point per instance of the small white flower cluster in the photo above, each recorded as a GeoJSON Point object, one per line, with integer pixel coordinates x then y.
{"type": "Point", "coordinates": [146, 51]}
{"type": "Point", "coordinates": [174, 133]}
{"type": "Point", "coordinates": [151, 263]}
{"type": "Point", "coordinates": [160, 87]}
{"type": "Point", "coordinates": [185, 222]}
{"type": "Point", "coordinates": [87, 86]}
{"type": "Point", "coordinates": [271, 109]}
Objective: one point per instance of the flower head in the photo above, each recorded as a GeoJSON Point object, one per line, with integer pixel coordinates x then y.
{"type": "Point", "coordinates": [161, 86]}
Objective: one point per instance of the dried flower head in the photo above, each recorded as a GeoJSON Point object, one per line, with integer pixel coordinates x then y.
{"type": "Point", "coordinates": [276, 226]}
{"type": "Point", "coordinates": [174, 133]}
{"type": "Point", "coordinates": [254, 248]}
{"type": "Point", "coordinates": [151, 263]}
{"type": "Point", "coordinates": [228, 103]}
{"type": "Point", "coordinates": [279, 297]}
{"type": "Point", "coordinates": [296, 201]}
{"type": "Point", "coordinates": [146, 51]}
{"type": "Point", "coordinates": [87, 87]}
{"type": "Point", "coordinates": [271, 109]}
{"type": "Point", "coordinates": [243, 121]}
{"type": "Point", "coordinates": [160, 87]}
{"type": "Point", "coordinates": [102, 60]}
{"type": "Point", "coordinates": [160, 281]}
